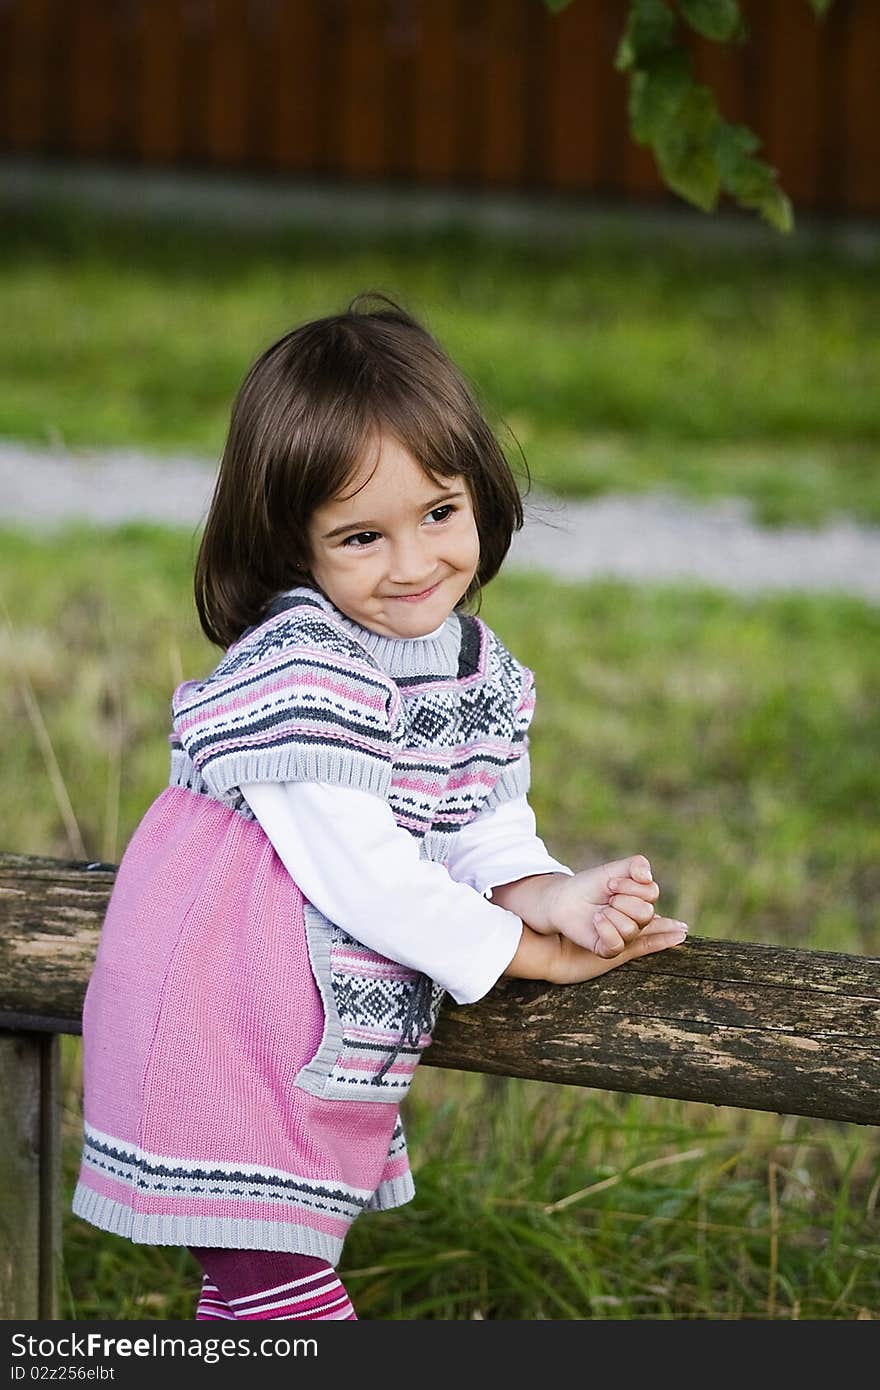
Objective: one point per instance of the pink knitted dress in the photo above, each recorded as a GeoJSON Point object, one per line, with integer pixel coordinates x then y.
{"type": "Point", "coordinates": [244, 1058]}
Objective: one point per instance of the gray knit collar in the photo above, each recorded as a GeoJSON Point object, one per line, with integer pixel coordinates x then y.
{"type": "Point", "coordinates": [436, 655]}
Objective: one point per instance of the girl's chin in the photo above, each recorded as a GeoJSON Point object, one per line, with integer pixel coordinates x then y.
{"type": "Point", "coordinates": [411, 619]}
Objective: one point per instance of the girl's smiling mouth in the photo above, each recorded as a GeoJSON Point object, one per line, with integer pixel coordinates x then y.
{"type": "Point", "coordinates": [415, 598]}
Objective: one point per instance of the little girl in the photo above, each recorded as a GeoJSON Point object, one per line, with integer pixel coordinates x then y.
{"type": "Point", "coordinates": [345, 836]}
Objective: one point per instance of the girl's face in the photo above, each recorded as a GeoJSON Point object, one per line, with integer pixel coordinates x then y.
{"type": "Point", "coordinates": [398, 550]}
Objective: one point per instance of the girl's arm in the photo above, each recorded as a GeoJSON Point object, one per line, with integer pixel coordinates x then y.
{"type": "Point", "coordinates": [500, 846]}
{"type": "Point", "coordinates": [500, 854]}
{"type": "Point", "coordinates": [345, 851]}
{"type": "Point", "coordinates": [531, 898]}
{"type": "Point", "coordinates": [349, 857]}
{"type": "Point", "coordinates": [602, 909]}
{"type": "Point", "coordinates": [552, 957]}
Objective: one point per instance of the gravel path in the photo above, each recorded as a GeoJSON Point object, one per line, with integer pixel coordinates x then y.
{"type": "Point", "coordinates": [647, 537]}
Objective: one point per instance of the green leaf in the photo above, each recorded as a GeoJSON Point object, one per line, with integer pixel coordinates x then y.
{"type": "Point", "coordinates": [714, 19]}
{"type": "Point", "coordinates": [692, 174]}
{"type": "Point", "coordinates": [820, 7]}
{"type": "Point", "coordinates": [734, 146]}
{"type": "Point", "coordinates": [657, 95]}
{"type": "Point", "coordinates": [750, 181]}
{"type": "Point", "coordinates": [556, 5]}
{"type": "Point", "coordinates": [777, 210]}
{"type": "Point", "coordinates": [649, 32]}
{"type": "Point", "coordinates": [698, 154]}
{"type": "Point", "coordinates": [685, 152]}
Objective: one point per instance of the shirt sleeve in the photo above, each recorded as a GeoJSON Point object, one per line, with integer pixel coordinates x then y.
{"type": "Point", "coordinates": [501, 845]}
{"type": "Point", "coordinates": [347, 854]}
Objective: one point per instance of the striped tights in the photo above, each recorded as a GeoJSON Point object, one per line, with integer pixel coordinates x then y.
{"type": "Point", "coordinates": [249, 1285]}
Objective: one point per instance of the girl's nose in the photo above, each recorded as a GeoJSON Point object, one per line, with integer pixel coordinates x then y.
{"type": "Point", "coordinates": [411, 564]}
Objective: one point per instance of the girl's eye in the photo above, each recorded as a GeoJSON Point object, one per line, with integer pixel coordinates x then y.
{"type": "Point", "coordinates": [361, 539]}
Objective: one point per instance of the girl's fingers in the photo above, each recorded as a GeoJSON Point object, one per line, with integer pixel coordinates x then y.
{"type": "Point", "coordinates": [658, 936]}
{"type": "Point", "coordinates": [640, 868]}
{"type": "Point", "coordinates": [634, 866]}
{"type": "Point", "coordinates": [654, 938]}
{"type": "Point", "coordinates": [647, 892]}
{"type": "Point", "coordinates": [663, 927]}
{"type": "Point", "coordinates": [637, 909]}
{"type": "Point", "coordinates": [619, 923]}
{"type": "Point", "coordinates": [609, 941]}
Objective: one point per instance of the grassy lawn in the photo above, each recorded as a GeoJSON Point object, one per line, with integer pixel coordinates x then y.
{"type": "Point", "coordinates": [728, 739]}
{"type": "Point", "coordinates": [618, 365]}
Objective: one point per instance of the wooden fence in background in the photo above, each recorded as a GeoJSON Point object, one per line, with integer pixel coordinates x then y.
{"type": "Point", "coordinates": [496, 94]}
{"type": "Point", "coordinates": [729, 1023]}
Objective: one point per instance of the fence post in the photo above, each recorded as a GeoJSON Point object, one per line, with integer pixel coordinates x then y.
{"type": "Point", "coordinates": [30, 1145]}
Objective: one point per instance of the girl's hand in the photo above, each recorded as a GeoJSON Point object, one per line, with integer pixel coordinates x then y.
{"type": "Point", "coordinates": [558, 960]}
{"type": "Point", "coordinates": [605, 909]}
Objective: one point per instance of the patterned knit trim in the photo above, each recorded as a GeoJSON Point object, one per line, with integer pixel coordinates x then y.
{"type": "Point", "coordinates": [399, 656]}
{"type": "Point", "coordinates": [299, 698]}
{"type": "Point", "coordinates": [156, 1176]}
{"type": "Point", "coordinates": [366, 1000]}
{"type": "Point", "coordinates": [291, 762]}
{"type": "Point", "coordinates": [240, 1233]}
{"type": "Point", "coordinates": [393, 1192]}
{"type": "Point", "coordinates": [297, 701]}
{"type": "Point", "coordinates": [513, 782]}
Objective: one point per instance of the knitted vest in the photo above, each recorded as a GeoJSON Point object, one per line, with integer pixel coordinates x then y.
{"type": "Point", "coordinates": [231, 1032]}
{"type": "Point", "coordinates": [437, 727]}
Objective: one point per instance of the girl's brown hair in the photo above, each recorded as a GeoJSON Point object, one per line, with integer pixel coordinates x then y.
{"type": "Point", "coordinates": [301, 421]}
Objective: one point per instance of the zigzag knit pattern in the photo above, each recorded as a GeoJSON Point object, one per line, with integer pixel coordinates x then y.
{"type": "Point", "coordinates": [297, 700]}
{"type": "Point", "coordinates": [308, 695]}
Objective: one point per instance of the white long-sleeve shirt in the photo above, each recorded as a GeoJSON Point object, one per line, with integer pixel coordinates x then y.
{"type": "Point", "coordinates": [362, 871]}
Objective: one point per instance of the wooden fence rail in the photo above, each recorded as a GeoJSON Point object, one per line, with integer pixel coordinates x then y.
{"type": "Point", "coordinates": [765, 1028]}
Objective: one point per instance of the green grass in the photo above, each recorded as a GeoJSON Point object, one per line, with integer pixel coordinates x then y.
{"type": "Point", "coordinates": [619, 364]}
{"type": "Point", "coordinates": [729, 739]}
{"type": "Point", "coordinates": [537, 1201]}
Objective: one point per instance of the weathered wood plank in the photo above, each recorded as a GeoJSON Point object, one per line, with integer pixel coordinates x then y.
{"type": "Point", "coordinates": [436, 71]}
{"type": "Point", "coordinates": [50, 1242]}
{"type": "Point", "coordinates": [30, 1161]}
{"type": "Point", "coordinates": [367, 95]}
{"type": "Point", "coordinates": [159, 83]}
{"type": "Point", "coordinates": [685, 1041]}
{"type": "Point", "coordinates": [20, 1202]}
{"type": "Point", "coordinates": [27, 29]}
{"type": "Point", "coordinates": [248, 84]}
{"type": "Point", "coordinates": [50, 915]}
{"type": "Point", "coordinates": [576, 124]}
{"type": "Point", "coordinates": [858, 149]}
{"type": "Point", "coordinates": [746, 1025]}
